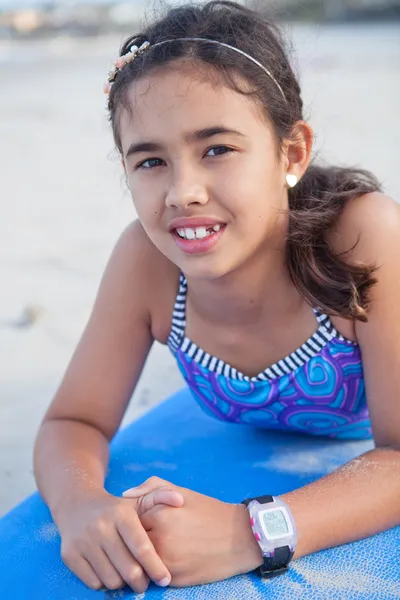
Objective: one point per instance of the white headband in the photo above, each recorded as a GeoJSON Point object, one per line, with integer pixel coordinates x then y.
{"type": "Point", "coordinates": [135, 51]}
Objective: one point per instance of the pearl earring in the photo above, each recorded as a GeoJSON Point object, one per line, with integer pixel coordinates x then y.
{"type": "Point", "coordinates": [291, 179]}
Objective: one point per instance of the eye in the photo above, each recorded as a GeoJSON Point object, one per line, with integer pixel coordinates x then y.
{"type": "Point", "coordinates": [225, 150]}
{"type": "Point", "coordinates": [148, 160]}
{"type": "Point", "coordinates": [219, 149]}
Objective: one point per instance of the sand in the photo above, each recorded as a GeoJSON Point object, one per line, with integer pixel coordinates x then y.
{"type": "Point", "coordinates": [63, 201]}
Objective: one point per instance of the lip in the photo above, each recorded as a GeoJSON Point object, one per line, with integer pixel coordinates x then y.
{"type": "Point", "coordinates": [193, 222]}
{"type": "Point", "coordinates": [198, 246]}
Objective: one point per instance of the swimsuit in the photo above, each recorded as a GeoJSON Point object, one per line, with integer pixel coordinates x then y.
{"type": "Point", "coordinates": [318, 389]}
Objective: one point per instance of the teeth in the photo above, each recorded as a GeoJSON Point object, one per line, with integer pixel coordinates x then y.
{"type": "Point", "coordinates": [190, 234]}
{"type": "Point", "coordinates": [197, 233]}
{"type": "Point", "coordinates": [201, 232]}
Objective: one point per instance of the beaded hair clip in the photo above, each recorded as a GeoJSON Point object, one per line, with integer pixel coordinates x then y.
{"type": "Point", "coordinates": [120, 63]}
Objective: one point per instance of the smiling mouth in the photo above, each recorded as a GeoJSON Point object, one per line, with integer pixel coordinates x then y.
{"type": "Point", "coordinates": [198, 240]}
{"type": "Point", "coordinates": [197, 233]}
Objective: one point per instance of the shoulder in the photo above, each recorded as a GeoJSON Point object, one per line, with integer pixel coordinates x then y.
{"type": "Point", "coordinates": [374, 221]}
{"type": "Point", "coordinates": [367, 228]}
{"type": "Point", "coordinates": [143, 274]}
{"type": "Point", "coordinates": [368, 234]}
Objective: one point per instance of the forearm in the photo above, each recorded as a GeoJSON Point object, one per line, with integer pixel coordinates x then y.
{"type": "Point", "coordinates": [70, 460]}
{"type": "Point", "coordinates": [357, 500]}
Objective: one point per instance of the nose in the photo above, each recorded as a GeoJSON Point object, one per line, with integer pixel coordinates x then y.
{"type": "Point", "coordinates": [186, 189]}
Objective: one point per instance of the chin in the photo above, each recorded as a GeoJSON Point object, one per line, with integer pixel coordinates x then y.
{"type": "Point", "coordinates": [205, 267]}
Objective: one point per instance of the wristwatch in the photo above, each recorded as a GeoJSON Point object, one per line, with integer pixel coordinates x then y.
{"type": "Point", "coordinates": [275, 530]}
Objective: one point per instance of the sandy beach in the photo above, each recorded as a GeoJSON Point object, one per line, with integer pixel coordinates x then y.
{"type": "Point", "coordinates": [64, 202]}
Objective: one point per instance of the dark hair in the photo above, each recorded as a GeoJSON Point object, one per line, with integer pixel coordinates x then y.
{"type": "Point", "coordinates": [324, 277]}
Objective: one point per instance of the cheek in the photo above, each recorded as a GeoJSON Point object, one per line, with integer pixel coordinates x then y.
{"type": "Point", "coordinates": [148, 214]}
{"type": "Point", "coordinates": [253, 209]}
{"type": "Point", "coordinates": [147, 207]}
{"type": "Point", "coordinates": [255, 190]}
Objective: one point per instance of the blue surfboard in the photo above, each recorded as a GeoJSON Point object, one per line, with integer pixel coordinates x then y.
{"type": "Point", "coordinates": [178, 442]}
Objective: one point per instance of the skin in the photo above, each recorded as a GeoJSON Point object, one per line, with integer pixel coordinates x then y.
{"type": "Point", "coordinates": [239, 291]}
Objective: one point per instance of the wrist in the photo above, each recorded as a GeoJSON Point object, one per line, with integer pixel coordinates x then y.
{"type": "Point", "coordinates": [249, 555]}
{"type": "Point", "coordinates": [70, 501]}
{"type": "Point", "coordinates": [305, 519]}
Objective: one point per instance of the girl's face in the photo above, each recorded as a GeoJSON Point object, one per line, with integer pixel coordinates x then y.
{"type": "Point", "coordinates": [208, 199]}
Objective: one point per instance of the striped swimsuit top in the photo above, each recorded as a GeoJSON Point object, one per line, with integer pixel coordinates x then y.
{"type": "Point", "coordinates": [318, 389]}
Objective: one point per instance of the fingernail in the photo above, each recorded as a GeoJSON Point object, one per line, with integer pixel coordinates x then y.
{"type": "Point", "coordinates": [133, 491]}
{"type": "Point", "coordinates": [164, 582]}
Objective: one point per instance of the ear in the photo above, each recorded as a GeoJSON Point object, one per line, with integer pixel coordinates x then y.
{"type": "Point", "coordinates": [298, 149]}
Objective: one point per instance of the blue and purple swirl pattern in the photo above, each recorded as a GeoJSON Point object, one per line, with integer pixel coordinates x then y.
{"type": "Point", "coordinates": [325, 396]}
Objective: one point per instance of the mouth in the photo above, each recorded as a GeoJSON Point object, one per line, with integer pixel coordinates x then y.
{"type": "Point", "coordinates": [194, 240]}
{"type": "Point", "coordinates": [198, 233]}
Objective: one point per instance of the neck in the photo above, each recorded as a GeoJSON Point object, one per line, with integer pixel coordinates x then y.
{"type": "Point", "coordinates": [258, 289]}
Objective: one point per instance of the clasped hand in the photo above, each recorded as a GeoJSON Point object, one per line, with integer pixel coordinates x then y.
{"type": "Point", "coordinates": [203, 540]}
{"type": "Point", "coordinates": [156, 531]}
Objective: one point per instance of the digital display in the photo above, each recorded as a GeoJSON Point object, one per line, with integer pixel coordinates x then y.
{"type": "Point", "coordinates": [275, 523]}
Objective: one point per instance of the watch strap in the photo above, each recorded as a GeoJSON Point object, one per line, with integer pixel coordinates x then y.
{"type": "Point", "coordinates": [276, 564]}
{"type": "Point", "coordinates": [260, 500]}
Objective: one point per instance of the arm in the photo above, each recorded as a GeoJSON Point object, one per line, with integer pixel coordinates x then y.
{"type": "Point", "coordinates": [362, 498]}
{"type": "Point", "coordinates": [90, 402]}
{"type": "Point", "coordinates": [103, 542]}
{"type": "Point", "coordinates": [358, 500]}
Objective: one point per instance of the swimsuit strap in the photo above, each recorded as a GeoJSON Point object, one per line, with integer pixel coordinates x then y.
{"type": "Point", "coordinates": [178, 326]}
{"type": "Point", "coordinates": [311, 347]}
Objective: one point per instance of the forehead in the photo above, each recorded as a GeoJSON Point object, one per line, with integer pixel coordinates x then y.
{"type": "Point", "coordinates": [174, 100]}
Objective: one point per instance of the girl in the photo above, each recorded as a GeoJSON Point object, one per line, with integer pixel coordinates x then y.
{"type": "Point", "coordinates": [272, 280]}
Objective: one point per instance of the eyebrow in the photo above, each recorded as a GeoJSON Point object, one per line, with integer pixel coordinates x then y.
{"type": "Point", "coordinates": [201, 134]}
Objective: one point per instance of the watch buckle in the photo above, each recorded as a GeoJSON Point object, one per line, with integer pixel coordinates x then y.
{"type": "Point", "coordinates": [273, 572]}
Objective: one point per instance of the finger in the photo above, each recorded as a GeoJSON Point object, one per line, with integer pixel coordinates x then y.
{"type": "Point", "coordinates": [147, 518]}
{"type": "Point", "coordinates": [161, 496]}
{"type": "Point", "coordinates": [85, 572]}
{"type": "Point", "coordinates": [144, 488]}
{"type": "Point", "coordinates": [142, 549]}
{"type": "Point", "coordinates": [104, 569]}
{"type": "Point", "coordinates": [129, 569]}
{"type": "Point", "coordinates": [147, 486]}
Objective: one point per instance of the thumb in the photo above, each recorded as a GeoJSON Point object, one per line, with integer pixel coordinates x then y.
{"type": "Point", "coordinates": [159, 496]}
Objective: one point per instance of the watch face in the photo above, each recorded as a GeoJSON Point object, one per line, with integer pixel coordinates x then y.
{"type": "Point", "coordinates": [274, 523]}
